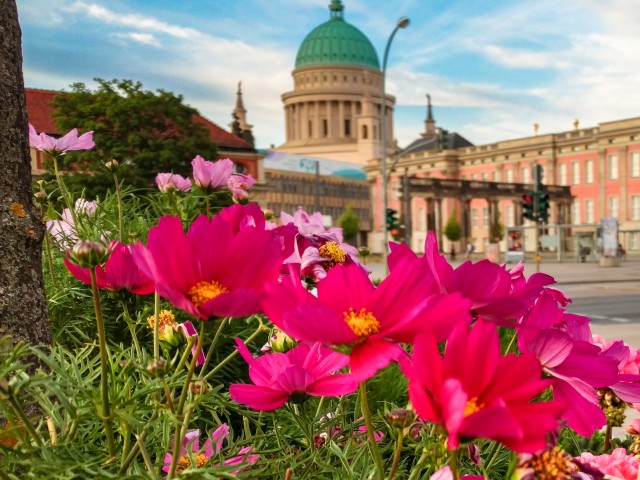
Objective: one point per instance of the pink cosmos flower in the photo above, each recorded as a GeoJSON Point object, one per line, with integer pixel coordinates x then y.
{"type": "Point", "coordinates": [488, 285]}
{"type": "Point", "coordinates": [216, 269]}
{"type": "Point", "coordinates": [192, 456]}
{"type": "Point", "coordinates": [618, 464]}
{"type": "Point", "coordinates": [315, 248]}
{"type": "Point", "coordinates": [445, 473]}
{"type": "Point", "coordinates": [576, 366]}
{"type": "Point", "coordinates": [208, 174]}
{"type": "Point", "coordinates": [168, 182]}
{"type": "Point", "coordinates": [67, 143]}
{"type": "Point", "coordinates": [475, 392]}
{"type": "Point", "coordinates": [63, 230]}
{"type": "Point", "coordinates": [119, 272]}
{"type": "Point", "coordinates": [188, 330]}
{"type": "Point", "coordinates": [239, 184]}
{"type": "Point", "coordinates": [370, 322]}
{"type": "Point", "coordinates": [305, 369]}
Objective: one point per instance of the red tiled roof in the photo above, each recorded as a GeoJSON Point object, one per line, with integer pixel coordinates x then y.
{"type": "Point", "coordinates": [40, 112]}
{"type": "Point", "coordinates": [220, 136]}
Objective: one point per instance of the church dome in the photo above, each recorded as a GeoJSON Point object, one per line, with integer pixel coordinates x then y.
{"type": "Point", "coordinates": [337, 41]}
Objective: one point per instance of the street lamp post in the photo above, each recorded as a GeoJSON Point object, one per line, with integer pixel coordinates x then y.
{"type": "Point", "coordinates": [402, 23]}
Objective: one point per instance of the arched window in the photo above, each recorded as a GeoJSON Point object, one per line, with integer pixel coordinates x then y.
{"type": "Point", "coordinates": [239, 168]}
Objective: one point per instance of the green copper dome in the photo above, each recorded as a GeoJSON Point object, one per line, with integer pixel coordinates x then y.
{"type": "Point", "coordinates": [337, 41]}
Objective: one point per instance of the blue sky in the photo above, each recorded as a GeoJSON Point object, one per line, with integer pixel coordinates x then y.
{"type": "Point", "coordinates": [493, 67]}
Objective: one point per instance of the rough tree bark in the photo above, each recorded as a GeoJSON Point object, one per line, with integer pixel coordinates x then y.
{"type": "Point", "coordinates": [23, 308]}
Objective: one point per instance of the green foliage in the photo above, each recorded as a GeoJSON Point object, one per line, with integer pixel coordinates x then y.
{"type": "Point", "coordinates": [496, 231]}
{"type": "Point", "coordinates": [452, 229]}
{"type": "Point", "coordinates": [147, 132]}
{"type": "Point", "coordinates": [350, 224]}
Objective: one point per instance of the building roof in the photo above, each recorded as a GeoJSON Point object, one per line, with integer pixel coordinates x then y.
{"type": "Point", "coordinates": [40, 113]}
{"type": "Point", "coordinates": [336, 41]}
{"type": "Point", "coordinates": [454, 140]}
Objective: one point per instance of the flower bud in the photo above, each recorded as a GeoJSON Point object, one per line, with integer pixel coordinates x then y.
{"type": "Point", "coordinates": [269, 214]}
{"type": "Point", "coordinates": [88, 254]}
{"type": "Point", "coordinates": [364, 251]}
{"type": "Point", "coordinates": [157, 368]}
{"type": "Point", "coordinates": [400, 417]}
{"type": "Point", "coordinates": [112, 166]}
{"type": "Point", "coordinates": [280, 341]}
{"type": "Point", "coordinates": [40, 197]}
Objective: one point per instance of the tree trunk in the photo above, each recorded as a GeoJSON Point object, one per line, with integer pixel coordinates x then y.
{"type": "Point", "coordinates": [23, 308]}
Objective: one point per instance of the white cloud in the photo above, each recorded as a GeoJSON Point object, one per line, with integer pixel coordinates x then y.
{"type": "Point", "coordinates": [144, 38]}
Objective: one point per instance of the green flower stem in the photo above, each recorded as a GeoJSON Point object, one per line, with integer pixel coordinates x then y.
{"type": "Point", "coordinates": [453, 464]}
{"type": "Point", "coordinates": [495, 448]}
{"type": "Point", "coordinates": [181, 428]}
{"type": "Point", "coordinates": [213, 345]}
{"type": "Point", "coordinates": [26, 423]}
{"type": "Point", "coordinates": [156, 325]}
{"type": "Point", "coordinates": [185, 354]}
{"type": "Point", "coordinates": [207, 206]}
{"type": "Point", "coordinates": [233, 354]}
{"type": "Point", "coordinates": [120, 217]}
{"type": "Point", "coordinates": [104, 365]}
{"type": "Point", "coordinates": [607, 437]}
{"type": "Point", "coordinates": [126, 442]}
{"type": "Point", "coordinates": [47, 246]}
{"type": "Point", "coordinates": [511, 343]}
{"type": "Point", "coordinates": [147, 460]}
{"type": "Point", "coordinates": [63, 189]}
{"type": "Point", "coordinates": [397, 454]}
{"type": "Point", "coordinates": [375, 452]}
{"type": "Point", "coordinates": [132, 329]}
{"type": "Point", "coordinates": [139, 440]}
{"type": "Point", "coordinates": [415, 471]}
{"type": "Point", "coordinates": [4, 475]}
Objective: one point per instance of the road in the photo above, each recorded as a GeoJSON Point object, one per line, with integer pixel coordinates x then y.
{"type": "Point", "coordinates": [613, 307]}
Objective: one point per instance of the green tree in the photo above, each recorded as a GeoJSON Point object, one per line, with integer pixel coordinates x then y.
{"type": "Point", "coordinates": [147, 132]}
{"type": "Point", "coordinates": [496, 231]}
{"type": "Point", "coordinates": [350, 224]}
{"type": "Point", "coordinates": [452, 229]}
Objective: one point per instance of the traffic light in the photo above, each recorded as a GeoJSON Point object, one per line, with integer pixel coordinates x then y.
{"type": "Point", "coordinates": [392, 219]}
{"type": "Point", "coordinates": [543, 206]}
{"type": "Point", "coordinates": [528, 207]}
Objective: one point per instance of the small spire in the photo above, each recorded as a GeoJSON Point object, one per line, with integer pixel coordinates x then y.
{"type": "Point", "coordinates": [429, 123]}
{"type": "Point", "coordinates": [239, 102]}
{"type": "Point", "coordinates": [336, 8]}
{"type": "Point", "coordinates": [239, 125]}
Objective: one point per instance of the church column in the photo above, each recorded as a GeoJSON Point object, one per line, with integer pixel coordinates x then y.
{"type": "Point", "coordinates": [466, 220]}
{"type": "Point", "coordinates": [623, 167]}
{"type": "Point", "coordinates": [439, 221]}
{"type": "Point", "coordinates": [316, 123]}
{"type": "Point", "coordinates": [294, 119]}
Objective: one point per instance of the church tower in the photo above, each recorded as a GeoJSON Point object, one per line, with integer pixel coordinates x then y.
{"type": "Point", "coordinates": [334, 109]}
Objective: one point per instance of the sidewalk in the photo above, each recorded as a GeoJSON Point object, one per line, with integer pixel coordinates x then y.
{"type": "Point", "coordinates": [564, 273]}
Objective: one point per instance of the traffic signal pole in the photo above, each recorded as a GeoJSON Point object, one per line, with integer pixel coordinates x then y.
{"type": "Point", "coordinates": [537, 181]}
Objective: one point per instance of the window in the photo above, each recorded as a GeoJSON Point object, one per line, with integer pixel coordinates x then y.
{"type": "Point", "coordinates": [635, 164]}
{"type": "Point", "coordinates": [422, 219]}
{"type": "Point", "coordinates": [485, 217]}
{"type": "Point", "coordinates": [575, 213]}
{"type": "Point", "coordinates": [310, 128]}
{"type": "Point", "coordinates": [365, 132]}
{"type": "Point", "coordinates": [575, 173]}
{"type": "Point", "coordinates": [474, 218]}
{"type": "Point", "coordinates": [473, 176]}
{"type": "Point", "coordinates": [325, 127]}
{"type": "Point", "coordinates": [483, 176]}
{"type": "Point", "coordinates": [494, 176]}
{"type": "Point", "coordinates": [613, 167]}
{"type": "Point", "coordinates": [543, 171]}
{"type": "Point", "coordinates": [634, 243]}
{"type": "Point", "coordinates": [510, 216]}
{"type": "Point", "coordinates": [526, 175]}
{"type": "Point", "coordinates": [614, 206]}
{"type": "Point", "coordinates": [635, 207]}
{"type": "Point", "coordinates": [509, 174]}
{"type": "Point", "coordinates": [588, 171]}
{"type": "Point", "coordinates": [588, 211]}
{"type": "Point", "coordinates": [562, 173]}
{"type": "Point", "coordinates": [347, 128]}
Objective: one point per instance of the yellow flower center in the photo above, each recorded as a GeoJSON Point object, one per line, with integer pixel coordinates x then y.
{"type": "Point", "coordinates": [166, 319]}
{"type": "Point", "coordinates": [199, 461]}
{"type": "Point", "coordinates": [552, 465]}
{"type": "Point", "coordinates": [333, 252]}
{"type": "Point", "coordinates": [363, 323]}
{"type": "Point", "coordinates": [472, 407]}
{"type": "Point", "coordinates": [202, 292]}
